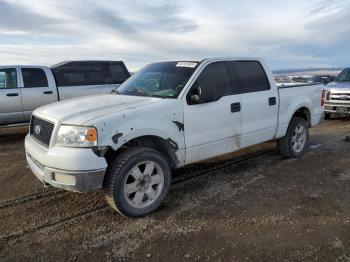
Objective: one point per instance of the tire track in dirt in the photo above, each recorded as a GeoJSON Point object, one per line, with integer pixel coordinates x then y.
{"type": "Point", "coordinates": [238, 160]}
{"type": "Point", "coordinates": [15, 236]}
{"type": "Point", "coordinates": [31, 197]}
{"type": "Point", "coordinates": [178, 180]}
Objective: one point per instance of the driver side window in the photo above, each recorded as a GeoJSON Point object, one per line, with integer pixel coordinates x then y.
{"type": "Point", "coordinates": [213, 83]}
{"type": "Point", "coordinates": [8, 78]}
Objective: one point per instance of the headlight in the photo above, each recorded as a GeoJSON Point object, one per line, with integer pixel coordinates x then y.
{"type": "Point", "coordinates": [76, 136]}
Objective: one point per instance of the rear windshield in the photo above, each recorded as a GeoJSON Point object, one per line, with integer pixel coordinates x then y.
{"type": "Point", "coordinates": [165, 79]}
{"type": "Point", "coordinates": [89, 73]}
{"type": "Point", "coordinates": [344, 76]}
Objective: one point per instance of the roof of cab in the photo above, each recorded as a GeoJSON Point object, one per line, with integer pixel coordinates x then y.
{"type": "Point", "coordinates": [86, 62]}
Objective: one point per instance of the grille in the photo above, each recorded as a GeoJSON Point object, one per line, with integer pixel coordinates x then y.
{"type": "Point", "coordinates": [41, 130]}
{"type": "Point", "coordinates": [344, 97]}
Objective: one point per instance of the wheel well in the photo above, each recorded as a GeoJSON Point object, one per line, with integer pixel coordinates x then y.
{"type": "Point", "coordinates": [303, 112]}
{"type": "Point", "coordinates": [165, 147]}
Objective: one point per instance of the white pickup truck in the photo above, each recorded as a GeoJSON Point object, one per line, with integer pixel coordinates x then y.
{"type": "Point", "coordinates": [166, 116]}
{"type": "Point", "coordinates": [25, 88]}
{"type": "Point", "coordinates": [337, 100]}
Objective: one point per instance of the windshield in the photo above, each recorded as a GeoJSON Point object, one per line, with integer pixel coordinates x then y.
{"type": "Point", "coordinates": [344, 76]}
{"type": "Point", "coordinates": [165, 79]}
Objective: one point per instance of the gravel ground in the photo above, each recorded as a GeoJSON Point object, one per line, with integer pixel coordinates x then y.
{"type": "Point", "coordinates": [252, 205]}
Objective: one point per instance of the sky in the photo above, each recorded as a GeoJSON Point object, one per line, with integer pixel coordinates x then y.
{"type": "Point", "coordinates": [287, 34]}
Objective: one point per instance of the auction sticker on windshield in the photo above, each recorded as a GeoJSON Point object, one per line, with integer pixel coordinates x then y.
{"type": "Point", "coordinates": [186, 64]}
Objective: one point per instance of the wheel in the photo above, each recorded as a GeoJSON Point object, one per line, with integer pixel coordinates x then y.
{"type": "Point", "coordinates": [294, 144]}
{"type": "Point", "coordinates": [327, 116]}
{"type": "Point", "coordinates": [137, 181]}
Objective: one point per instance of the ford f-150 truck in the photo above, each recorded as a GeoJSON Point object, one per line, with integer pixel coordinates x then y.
{"type": "Point", "coordinates": [166, 116]}
{"type": "Point", "coordinates": [25, 88]}
{"type": "Point", "coordinates": [338, 95]}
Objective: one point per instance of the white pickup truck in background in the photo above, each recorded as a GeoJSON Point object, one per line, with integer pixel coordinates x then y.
{"type": "Point", "coordinates": [338, 95]}
{"type": "Point", "coordinates": [166, 116]}
{"type": "Point", "coordinates": [25, 88]}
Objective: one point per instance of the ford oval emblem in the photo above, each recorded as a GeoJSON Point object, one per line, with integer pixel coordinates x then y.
{"type": "Point", "coordinates": [37, 129]}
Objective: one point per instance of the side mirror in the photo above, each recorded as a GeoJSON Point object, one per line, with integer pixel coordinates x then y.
{"type": "Point", "coordinates": [195, 97]}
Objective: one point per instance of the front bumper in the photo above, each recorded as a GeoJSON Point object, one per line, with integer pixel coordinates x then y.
{"type": "Point", "coordinates": [73, 169]}
{"type": "Point", "coordinates": [337, 108]}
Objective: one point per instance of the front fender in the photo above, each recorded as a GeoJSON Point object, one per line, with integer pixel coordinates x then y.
{"type": "Point", "coordinates": [163, 120]}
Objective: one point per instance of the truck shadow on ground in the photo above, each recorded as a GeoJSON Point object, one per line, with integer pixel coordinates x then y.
{"type": "Point", "coordinates": [11, 139]}
{"type": "Point", "coordinates": [13, 135]}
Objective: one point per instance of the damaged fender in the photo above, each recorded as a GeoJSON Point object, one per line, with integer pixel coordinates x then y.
{"type": "Point", "coordinates": [161, 120]}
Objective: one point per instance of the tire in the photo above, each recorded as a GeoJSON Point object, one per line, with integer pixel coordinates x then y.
{"type": "Point", "coordinates": [131, 188]}
{"type": "Point", "coordinates": [327, 116]}
{"type": "Point", "coordinates": [295, 144]}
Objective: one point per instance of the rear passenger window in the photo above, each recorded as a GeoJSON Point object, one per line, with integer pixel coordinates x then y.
{"type": "Point", "coordinates": [89, 73]}
{"type": "Point", "coordinates": [96, 78]}
{"type": "Point", "coordinates": [69, 77]}
{"type": "Point", "coordinates": [214, 83]}
{"type": "Point", "coordinates": [73, 78]}
{"type": "Point", "coordinates": [34, 77]}
{"type": "Point", "coordinates": [251, 76]}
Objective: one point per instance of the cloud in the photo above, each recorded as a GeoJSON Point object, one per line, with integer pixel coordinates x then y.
{"type": "Point", "coordinates": [325, 7]}
{"type": "Point", "coordinates": [16, 18]}
{"type": "Point", "coordinates": [288, 34]}
{"type": "Point", "coordinates": [111, 20]}
{"type": "Point", "coordinates": [167, 17]}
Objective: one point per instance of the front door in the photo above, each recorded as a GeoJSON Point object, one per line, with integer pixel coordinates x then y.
{"type": "Point", "coordinates": [212, 115]}
{"type": "Point", "coordinates": [10, 97]}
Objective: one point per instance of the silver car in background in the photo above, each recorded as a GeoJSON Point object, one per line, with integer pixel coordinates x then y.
{"type": "Point", "coordinates": [337, 100]}
{"type": "Point", "coordinates": [24, 88]}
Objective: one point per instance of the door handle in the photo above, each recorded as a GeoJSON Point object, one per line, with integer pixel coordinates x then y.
{"type": "Point", "coordinates": [47, 92]}
{"type": "Point", "coordinates": [272, 101]}
{"type": "Point", "coordinates": [12, 94]}
{"type": "Point", "coordinates": [235, 107]}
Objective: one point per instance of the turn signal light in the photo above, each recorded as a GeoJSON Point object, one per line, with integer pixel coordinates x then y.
{"type": "Point", "coordinates": [323, 97]}
{"type": "Point", "coordinates": [91, 135]}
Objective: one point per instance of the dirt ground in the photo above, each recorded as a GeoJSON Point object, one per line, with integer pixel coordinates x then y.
{"type": "Point", "coordinates": [254, 205]}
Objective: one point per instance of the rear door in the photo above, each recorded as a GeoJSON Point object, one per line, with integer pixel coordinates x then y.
{"type": "Point", "coordinates": [36, 90]}
{"type": "Point", "coordinates": [259, 103]}
{"type": "Point", "coordinates": [10, 97]}
{"type": "Point", "coordinates": [213, 125]}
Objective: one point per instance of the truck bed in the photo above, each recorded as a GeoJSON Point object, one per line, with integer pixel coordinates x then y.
{"type": "Point", "coordinates": [304, 96]}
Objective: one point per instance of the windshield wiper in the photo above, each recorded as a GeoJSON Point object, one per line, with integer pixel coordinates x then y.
{"type": "Point", "coordinates": [137, 91]}
{"type": "Point", "coordinates": [140, 92]}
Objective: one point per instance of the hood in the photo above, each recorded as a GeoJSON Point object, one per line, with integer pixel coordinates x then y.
{"type": "Point", "coordinates": [77, 111]}
{"type": "Point", "coordinates": [345, 86]}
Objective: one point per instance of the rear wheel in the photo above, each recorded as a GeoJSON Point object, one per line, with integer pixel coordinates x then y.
{"type": "Point", "coordinates": [137, 181]}
{"type": "Point", "coordinates": [295, 143]}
